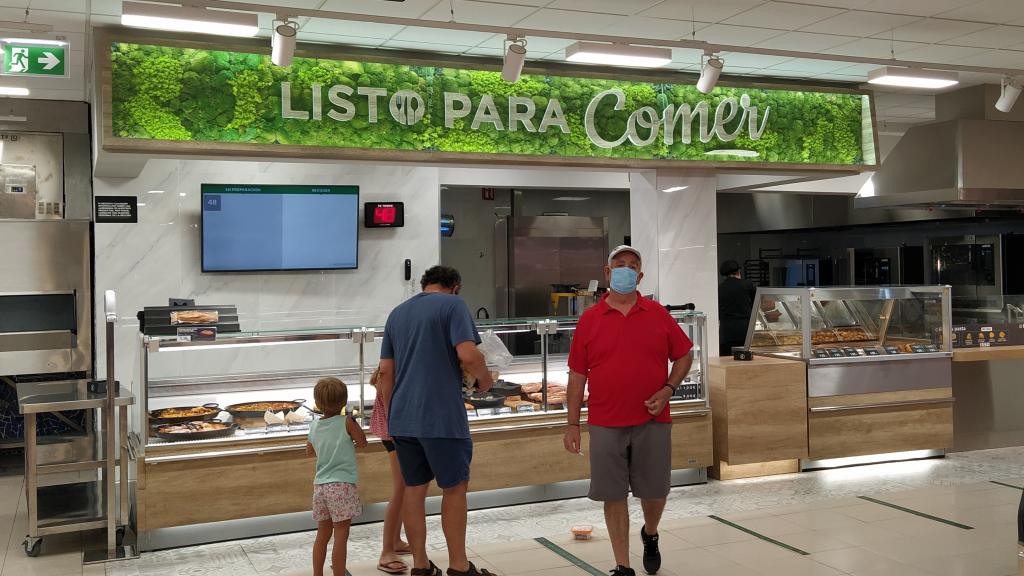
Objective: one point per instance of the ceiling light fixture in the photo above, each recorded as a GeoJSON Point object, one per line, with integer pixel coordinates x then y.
{"type": "Point", "coordinates": [155, 192]}
{"type": "Point", "coordinates": [282, 45]}
{"type": "Point", "coordinates": [571, 198]}
{"type": "Point", "coordinates": [618, 54]}
{"type": "Point", "coordinates": [913, 77]}
{"type": "Point", "coordinates": [675, 189]}
{"type": "Point", "coordinates": [13, 91]}
{"type": "Point", "coordinates": [189, 19]}
{"type": "Point", "coordinates": [709, 74]}
{"type": "Point", "coordinates": [1008, 95]}
{"type": "Point", "coordinates": [515, 57]}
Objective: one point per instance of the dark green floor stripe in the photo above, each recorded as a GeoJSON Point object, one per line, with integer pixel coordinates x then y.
{"type": "Point", "coordinates": [565, 554]}
{"type": "Point", "coordinates": [1005, 484]}
{"type": "Point", "coordinates": [916, 513]}
{"type": "Point", "coordinates": [759, 535]}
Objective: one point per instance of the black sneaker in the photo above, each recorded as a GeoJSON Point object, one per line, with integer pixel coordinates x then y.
{"type": "Point", "coordinates": [621, 570]}
{"type": "Point", "coordinates": [652, 556]}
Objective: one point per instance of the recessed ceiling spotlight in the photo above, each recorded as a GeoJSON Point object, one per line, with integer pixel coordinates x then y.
{"type": "Point", "coordinates": [189, 19]}
{"type": "Point", "coordinates": [515, 57]}
{"type": "Point", "coordinates": [282, 45]}
{"type": "Point", "coordinates": [1008, 95]}
{"type": "Point", "coordinates": [913, 77]}
{"type": "Point", "coordinates": [618, 54]}
{"type": "Point", "coordinates": [709, 74]}
{"type": "Point", "coordinates": [675, 189]}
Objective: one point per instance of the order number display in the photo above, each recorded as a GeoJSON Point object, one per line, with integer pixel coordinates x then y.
{"type": "Point", "coordinates": [384, 215]}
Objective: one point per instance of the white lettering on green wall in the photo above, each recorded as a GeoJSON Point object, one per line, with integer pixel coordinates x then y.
{"type": "Point", "coordinates": [643, 126]}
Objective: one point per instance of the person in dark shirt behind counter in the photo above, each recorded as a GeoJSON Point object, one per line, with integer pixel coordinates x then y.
{"type": "Point", "coordinates": [735, 301]}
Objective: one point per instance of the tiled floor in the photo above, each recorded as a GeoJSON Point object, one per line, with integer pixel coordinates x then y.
{"type": "Point", "coordinates": [802, 524]}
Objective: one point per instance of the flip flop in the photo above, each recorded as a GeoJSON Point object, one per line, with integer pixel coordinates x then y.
{"type": "Point", "coordinates": [393, 567]}
{"type": "Point", "coordinates": [407, 551]}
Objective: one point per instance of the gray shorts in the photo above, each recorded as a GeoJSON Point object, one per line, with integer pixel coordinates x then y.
{"type": "Point", "coordinates": [635, 458]}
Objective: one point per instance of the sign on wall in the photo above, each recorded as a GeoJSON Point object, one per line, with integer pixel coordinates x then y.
{"type": "Point", "coordinates": [169, 93]}
{"type": "Point", "coordinates": [25, 58]}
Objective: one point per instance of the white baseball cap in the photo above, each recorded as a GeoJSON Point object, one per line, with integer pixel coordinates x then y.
{"type": "Point", "coordinates": [624, 248]}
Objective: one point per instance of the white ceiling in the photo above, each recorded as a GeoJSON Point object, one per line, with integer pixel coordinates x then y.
{"type": "Point", "coordinates": [975, 32]}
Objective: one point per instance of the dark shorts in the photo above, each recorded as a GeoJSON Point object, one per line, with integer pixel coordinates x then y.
{"type": "Point", "coordinates": [426, 459]}
{"type": "Point", "coordinates": [634, 458]}
{"type": "Point", "coordinates": [388, 445]}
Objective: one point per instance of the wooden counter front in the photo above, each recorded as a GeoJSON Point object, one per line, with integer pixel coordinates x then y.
{"type": "Point", "coordinates": [193, 484]}
{"type": "Point", "coordinates": [988, 353]}
{"type": "Point", "coordinates": [760, 416]}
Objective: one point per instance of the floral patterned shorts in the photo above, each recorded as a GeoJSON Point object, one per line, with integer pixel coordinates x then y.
{"type": "Point", "coordinates": [336, 501]}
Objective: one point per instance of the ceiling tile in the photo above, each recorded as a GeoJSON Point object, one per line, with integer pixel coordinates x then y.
{"type": "Point", "coordinates": [604, 6]}
{"type": "Point", "coordinates": [804, 42]}
{"type": "Point", "coordinates": [687, 56]}
{"type": "Point", "coordinates": [346, 28]}
{"type": "Point", "coordinates": [917, 7]}
{"type": "Point", "coordinates": [873, 48]}
{"type": "Point", "coordinates": [342, 40]}
{"type": "Point", "coordinates": [783, 16]}
{"type": "Point", "coordinates": [940, 53]}
{"type": "Point", "coordinates": [752, 60]}
{"type": "Point", "coordinates": [809, 67]}
{"type": "Point", "coordinates": [859, 24]}
{"type": "Point", "coordinates": [857, 70]}
{"type": "Point", "coordinates": [735, 35]}
{"type": "Point", "coordinates": [58, 5]}
{"type": "Point", "coordinates": [481, 13]}
{"type": "Point", "coordinates": [996, 59]}
{"type": "Point", "coordinates": [428, 35]}
{"type": "Point", "coordinates": [644, 27]}
{"type": "Point", "coordinates": [533, 45]}
{"type": "Point", "coordinates": [584, 22]}
{"type": "Point", "coordinates": [992, 37]}
{"type": "Point", "coordinates": [848, 4]}
{"type": "Point", "coordinates": [834, 77]}
{"type": "Point", "coordinates": [932, 30]}
{"type": "Point", "coordinates": [995, 11]}
{"type": "Point", "coordinates": [108, 7]}
{"type": "Point", "coordinates": [405, 9]}
{"type": "Point", "coordinates": [889, 100]}
{"type": "Point", "coordinates": [425, 47]}
{"type": "Point", "coordinates": [702, 11]}
{"type": "Point", "coordinates": [493, 52]}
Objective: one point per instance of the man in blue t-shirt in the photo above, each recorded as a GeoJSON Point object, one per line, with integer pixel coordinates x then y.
{"type": "Point", "coordinates": [428, 340]}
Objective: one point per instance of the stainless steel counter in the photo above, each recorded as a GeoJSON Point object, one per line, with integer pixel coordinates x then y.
{"type": "Point", "coordinates": [36, 397]}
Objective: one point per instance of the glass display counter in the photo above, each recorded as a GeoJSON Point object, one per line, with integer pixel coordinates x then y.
{"type": "Point", "coordinates": [838, 325]}
{"type": "Point", "coordinates": [878, 366]}
{"type": "Point", "coordinates": [236, 471]}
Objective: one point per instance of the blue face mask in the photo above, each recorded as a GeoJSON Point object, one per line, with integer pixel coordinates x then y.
{"type": "Point", "coordinates": [623, 280]}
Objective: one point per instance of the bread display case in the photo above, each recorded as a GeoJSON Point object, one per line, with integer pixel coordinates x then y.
{"type": "Point", "coordinates": [208, 459]}
{"type": "Point", "coordinates": [878, 364]}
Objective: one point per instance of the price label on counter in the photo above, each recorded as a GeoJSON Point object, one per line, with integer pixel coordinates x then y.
{"type": "Point", "coordinates": [850, 352]}
{"type": "Point", "coordinates": [524, 408]}
{"type": "Point", "coordinates": [872, 352]}
{"type": "Point", "coordinates": [892, 350]}
{"type": "Point", "coordinates": [485, 411]}
{"type": "Point", "coordinates": [504, 410]}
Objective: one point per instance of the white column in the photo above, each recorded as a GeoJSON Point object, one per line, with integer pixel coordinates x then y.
{"type": "Point", "coordinates": [677, 233]}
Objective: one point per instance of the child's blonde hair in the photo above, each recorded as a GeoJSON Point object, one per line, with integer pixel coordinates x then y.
{"type": "Point", "coordinates": [330, 395]}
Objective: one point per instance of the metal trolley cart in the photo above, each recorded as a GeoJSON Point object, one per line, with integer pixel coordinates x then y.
{"type": "Point", "coordinates": [79, 493]}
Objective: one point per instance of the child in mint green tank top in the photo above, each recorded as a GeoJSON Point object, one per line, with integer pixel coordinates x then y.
{"type": "Point", "coordinates": [333, 440]}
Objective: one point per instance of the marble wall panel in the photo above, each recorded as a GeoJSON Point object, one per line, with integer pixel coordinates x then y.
{"type": "Point", "coordinates": [159, 258]}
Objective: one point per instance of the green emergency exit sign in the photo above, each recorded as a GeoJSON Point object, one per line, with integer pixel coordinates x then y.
{"type": "Point", "coordinates": [28, 59]}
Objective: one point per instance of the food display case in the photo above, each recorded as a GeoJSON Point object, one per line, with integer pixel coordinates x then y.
{"type": "Point", "coordinates": [878, 364]}
{"type": "Point", "coordinates": [224, 426]}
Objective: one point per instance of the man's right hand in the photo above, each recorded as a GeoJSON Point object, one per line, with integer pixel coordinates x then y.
{"type": "Point", "coordinates": [572, 440]}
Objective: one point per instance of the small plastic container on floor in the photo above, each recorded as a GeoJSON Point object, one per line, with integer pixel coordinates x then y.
{"type": "Point", "coordinates": [583, 532]}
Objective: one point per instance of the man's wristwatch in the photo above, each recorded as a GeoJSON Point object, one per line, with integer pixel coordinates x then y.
{"type": "Point", "coordinates": [671, 387]}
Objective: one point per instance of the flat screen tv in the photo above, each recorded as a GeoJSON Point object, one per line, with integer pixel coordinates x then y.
{"type": "Point", "coordinates": [260, 228]}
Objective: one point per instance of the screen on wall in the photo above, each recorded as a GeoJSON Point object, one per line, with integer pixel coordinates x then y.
{"type": "Point", "coordinates": [253, 227]}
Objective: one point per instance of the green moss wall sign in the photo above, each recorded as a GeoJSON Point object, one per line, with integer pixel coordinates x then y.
{"type": "Point", "coordinates": [240, 101]}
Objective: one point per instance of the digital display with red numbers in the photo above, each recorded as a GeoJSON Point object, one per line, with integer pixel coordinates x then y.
{"type": "Point", "coordinates": [384, 215]}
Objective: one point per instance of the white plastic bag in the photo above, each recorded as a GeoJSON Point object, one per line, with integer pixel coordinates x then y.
{"type": "Point", "coordinates": [495, 353]}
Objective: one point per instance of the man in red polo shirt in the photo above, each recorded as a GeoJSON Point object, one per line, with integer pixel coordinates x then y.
{"type": "Point", "coordinates": [622, 348]}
